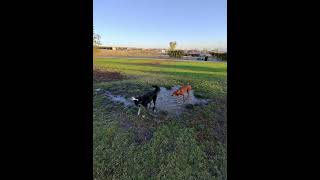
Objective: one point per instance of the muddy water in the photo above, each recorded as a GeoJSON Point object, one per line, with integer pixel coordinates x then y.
{"type": "Point", "coordinates": [121, 99]}
{"type": "Point", "coordinates": [173, 105]}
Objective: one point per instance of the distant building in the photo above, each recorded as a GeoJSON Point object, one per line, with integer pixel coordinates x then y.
{"type": "Point", "coordinates": [122, 48]}
{"type": "Point", "coordinates": [137, 48]}
{"type": "Point", "coordinates": [107, 47]}
{"type": "Point", "coordinates": [193, 53]}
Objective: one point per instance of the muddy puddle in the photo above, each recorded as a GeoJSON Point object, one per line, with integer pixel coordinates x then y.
{"type": "Point", "coordinates": [120, 99]}
{"type": "Point", "coordinates": [172, 105]}
{"type": "Point", "coordinates": [175, 104]}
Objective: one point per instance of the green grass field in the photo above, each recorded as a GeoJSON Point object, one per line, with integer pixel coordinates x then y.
{"type": "Point", "coordinates": [191, 146]}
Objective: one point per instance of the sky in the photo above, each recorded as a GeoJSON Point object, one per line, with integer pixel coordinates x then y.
{"type": "Point", "coordinates": [196, 24]}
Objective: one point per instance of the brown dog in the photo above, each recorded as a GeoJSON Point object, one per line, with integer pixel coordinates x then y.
{"type": "Point", "coordinates": [182, 91]}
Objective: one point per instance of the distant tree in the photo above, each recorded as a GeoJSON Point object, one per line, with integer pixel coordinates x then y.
{"type": "Point", "coordinates": [176, 53]}
{"type": "Point", "coordinates": [96, 43]}
{"type": "Point", "coordinates": [173, 45]}
{"type": "Point", "coordinates": [96, 39]}
{"type": "Point", "coordinates": [173, 52]}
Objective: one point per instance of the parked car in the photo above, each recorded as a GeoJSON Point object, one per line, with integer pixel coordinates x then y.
{"type": "Point", "coordinates": [203, 58]}
{"type": "Point", "coordinates": [200, 58]}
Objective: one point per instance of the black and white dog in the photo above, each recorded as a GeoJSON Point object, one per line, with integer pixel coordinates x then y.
{"type": "Point", "coordinates": [146, 99]}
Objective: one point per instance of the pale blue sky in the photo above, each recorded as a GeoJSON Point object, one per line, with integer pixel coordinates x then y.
{"type": "Point", "coordinates": [154, 23]}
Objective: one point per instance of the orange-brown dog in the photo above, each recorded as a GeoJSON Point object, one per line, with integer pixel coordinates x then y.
{"type": "Point", "coordinates": [182, 91]}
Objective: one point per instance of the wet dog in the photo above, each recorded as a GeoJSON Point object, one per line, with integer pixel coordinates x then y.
{"type": "Point", "coordinates": [146, 99]}
{"type": "Point", "coordinates": [182, 91]}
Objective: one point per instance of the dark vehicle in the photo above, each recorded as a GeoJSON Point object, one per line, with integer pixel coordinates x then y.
{"type": "Point", "coordinates": [203, 58]}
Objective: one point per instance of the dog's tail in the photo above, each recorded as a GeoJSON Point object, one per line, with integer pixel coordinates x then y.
{"type": "Point", "coordinates": [157, 89]}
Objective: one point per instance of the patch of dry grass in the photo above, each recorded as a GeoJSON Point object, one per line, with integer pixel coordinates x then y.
{"type": "Point", "coordinates": [104, 52]}
{"type": "Point", "coordinates": [105, 76]}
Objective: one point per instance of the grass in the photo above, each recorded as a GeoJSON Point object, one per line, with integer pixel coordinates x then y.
{"type": "Point", "coordinates": [191, 146]}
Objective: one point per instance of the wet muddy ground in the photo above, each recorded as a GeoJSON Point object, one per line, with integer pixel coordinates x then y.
{"type": "Point", "coordinates": [172, 105]}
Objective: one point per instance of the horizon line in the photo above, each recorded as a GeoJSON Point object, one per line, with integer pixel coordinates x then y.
{"type": "Point", "coordinates": [155, 47]}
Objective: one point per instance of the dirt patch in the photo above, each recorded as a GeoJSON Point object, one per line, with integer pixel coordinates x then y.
{"type": "Point", "coordinates": [139, 126]}
{"type": "Point", "coordinates": [131, 52]}
{"type": "Point", "coordinates": [142, 134]}
{"type": "Point", "coordinates": [105, 76]}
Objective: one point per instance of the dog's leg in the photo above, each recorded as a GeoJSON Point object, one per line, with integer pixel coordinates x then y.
{"type": "Point", "coordinates": [139, 110]}
{"type": "Point", "coordinates": [154, 104]}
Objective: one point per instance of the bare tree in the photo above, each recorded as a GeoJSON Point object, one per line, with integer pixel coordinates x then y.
{"type": "Point", "coordinates": [96, 39]}
{"type": "Point", "coordinates": [96, 43]}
